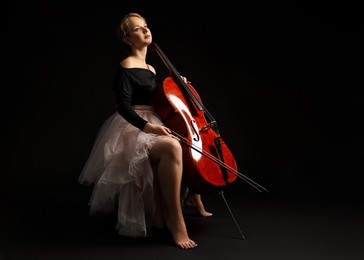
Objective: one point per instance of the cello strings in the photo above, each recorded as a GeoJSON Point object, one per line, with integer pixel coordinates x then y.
{"type": "Point", "coordinates": [211, 157]}
{"type": "Point", "coordinates": [216, 160]}
{"type": "Point", "coordinates": [236, 173]}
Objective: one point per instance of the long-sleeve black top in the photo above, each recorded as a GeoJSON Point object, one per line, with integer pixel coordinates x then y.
{"type": "Point", "coordinates": [133, 86]}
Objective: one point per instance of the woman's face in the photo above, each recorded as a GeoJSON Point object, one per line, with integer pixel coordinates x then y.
{"type": "Point", "coordinates": [139, 34]}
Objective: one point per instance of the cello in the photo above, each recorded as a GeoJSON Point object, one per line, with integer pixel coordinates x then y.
{"type": "Point", "coordinates": [208, 163]}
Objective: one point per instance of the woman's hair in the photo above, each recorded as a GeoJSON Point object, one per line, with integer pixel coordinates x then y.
{"type": "Point", "coordinates": [123, 26]}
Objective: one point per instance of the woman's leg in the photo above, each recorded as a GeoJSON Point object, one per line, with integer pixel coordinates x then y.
{"type": "Point", "coordinates": [158, 216]}
{"type": "Point", "coordinates": [194, 200]}
{"type": "Point", "coordinates": [166, 156]}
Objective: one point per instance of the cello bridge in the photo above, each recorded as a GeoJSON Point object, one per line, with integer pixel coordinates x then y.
{"type": "Point", "coordinates": [208, 126]}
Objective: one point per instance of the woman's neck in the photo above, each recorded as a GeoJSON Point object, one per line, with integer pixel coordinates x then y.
{"type": "Point", "coordinates": [139, 54]}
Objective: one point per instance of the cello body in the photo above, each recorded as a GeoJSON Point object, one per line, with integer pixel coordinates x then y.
{"type": "Point", "coordinates": [179, 112]}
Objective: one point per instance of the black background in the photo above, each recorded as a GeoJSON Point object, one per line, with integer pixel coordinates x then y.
{"type": "Point", "coordinates": [283, 81]}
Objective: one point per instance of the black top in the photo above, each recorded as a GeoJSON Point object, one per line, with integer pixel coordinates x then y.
{"type": "Point", "coordinates": [133, 86]}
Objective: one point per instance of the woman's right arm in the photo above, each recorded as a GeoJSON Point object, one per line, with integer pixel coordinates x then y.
{"type": "Point", "coordinates": [123, 92]}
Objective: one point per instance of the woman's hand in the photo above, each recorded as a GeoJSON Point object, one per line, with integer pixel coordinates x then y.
{"type": "Point", "coordinates": [156, 129]}
{"type": "Point", "coordinates": [185, 80]}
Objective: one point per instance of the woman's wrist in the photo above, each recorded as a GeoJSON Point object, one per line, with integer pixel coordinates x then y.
{"type": "Point", "coordinates": [146, 128]}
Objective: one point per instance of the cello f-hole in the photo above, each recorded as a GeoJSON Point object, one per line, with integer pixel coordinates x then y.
{"type": "Point", "coordinates": [197, 138]}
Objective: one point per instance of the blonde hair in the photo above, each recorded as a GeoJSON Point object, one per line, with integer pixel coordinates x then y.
{"type": "Point", "coordinates": [123, 28]}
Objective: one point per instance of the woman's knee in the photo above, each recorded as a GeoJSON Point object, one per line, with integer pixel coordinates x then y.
{"type": "Point", "coordinates": [173, 149]}
{"type": "Point", "coordinates": [166, 147]}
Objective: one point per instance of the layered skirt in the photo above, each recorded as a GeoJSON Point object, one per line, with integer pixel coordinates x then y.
{"type": "Point", "coordinates": [120, 170]}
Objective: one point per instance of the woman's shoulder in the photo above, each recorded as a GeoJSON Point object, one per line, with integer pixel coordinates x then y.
{"type": "Point", "coordinates": [127, 63]}
{"type": "Point", "coordinates": [151, 68]}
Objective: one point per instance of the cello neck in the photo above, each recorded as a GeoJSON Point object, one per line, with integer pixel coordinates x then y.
{"type": "Point", "coordinates": [176, 76]}
{"type": "Point", "coordinates": [178, 79]}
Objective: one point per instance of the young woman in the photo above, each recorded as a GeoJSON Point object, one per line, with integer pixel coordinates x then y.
{"type": "Point", "coordinates": [135, 164]}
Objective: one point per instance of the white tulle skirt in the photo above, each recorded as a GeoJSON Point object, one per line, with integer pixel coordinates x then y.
{"type": "Point", "coordinates": [120, 170]}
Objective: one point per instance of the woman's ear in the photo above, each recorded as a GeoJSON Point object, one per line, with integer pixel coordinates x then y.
{"type": "Point", "coordinates": [127, 40]}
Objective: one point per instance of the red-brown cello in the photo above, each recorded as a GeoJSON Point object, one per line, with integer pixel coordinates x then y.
{"type": "Point", "coordinates": [208, 163]}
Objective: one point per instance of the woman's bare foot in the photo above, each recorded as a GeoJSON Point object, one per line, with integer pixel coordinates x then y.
{"type": "Point", "coordinates": [194, 201]}
{"type": "Point", "coordinates": [180, 236]}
